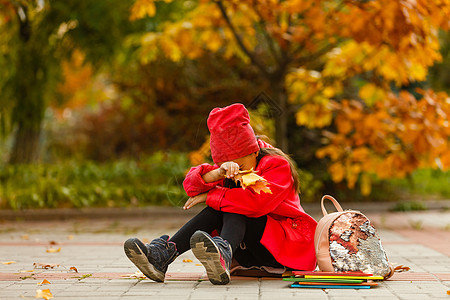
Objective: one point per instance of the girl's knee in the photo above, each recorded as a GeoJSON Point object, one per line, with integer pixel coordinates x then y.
{"type": "Point", "coordinates": [211, 212]}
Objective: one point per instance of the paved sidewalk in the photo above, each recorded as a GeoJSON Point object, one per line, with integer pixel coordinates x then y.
{"type": "Point", "coordinates": [91, 242]}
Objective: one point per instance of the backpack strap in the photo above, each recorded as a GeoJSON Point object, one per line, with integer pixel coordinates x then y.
{"type": "Point", "coordinates": [336, 204]}
{"type": "Point", "coordinates": [392, 271]}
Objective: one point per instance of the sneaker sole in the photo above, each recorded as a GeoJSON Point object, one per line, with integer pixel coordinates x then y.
{"type": "Point", "coordinates": [138, 257]}
{"type": "Point", "coordinates": [206, 251]}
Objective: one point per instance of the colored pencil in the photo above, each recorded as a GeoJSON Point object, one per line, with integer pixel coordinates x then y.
{"type": "Point", "coordinates": [343, 280]}
{"type": "Point", "coordinates": [295, 285]}
{"type": "Point", "coordinates": [353, 273]}
{"type": "Point", "coordinates": [347, 277]}
{"type": "Point", "coordinates": [338, 284]}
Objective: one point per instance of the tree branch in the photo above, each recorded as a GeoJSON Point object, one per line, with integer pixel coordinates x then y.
{"type": "Point", "coordinates": [268, 38]}
{"type": "Point", "coordinates": [238, 39]}
{"type": "Point", "coordinates": [315, 55]}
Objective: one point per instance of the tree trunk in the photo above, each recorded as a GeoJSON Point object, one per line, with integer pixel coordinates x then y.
{"type": "Point", "coordinates": [279, 95]}
{"type": "Point", "coordinates": [26, 145]}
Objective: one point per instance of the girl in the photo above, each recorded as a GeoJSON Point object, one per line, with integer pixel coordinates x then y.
{"type": "Point", "coordinates": [273, 227]}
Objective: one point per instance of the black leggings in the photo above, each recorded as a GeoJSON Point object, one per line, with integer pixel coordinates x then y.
{"type": "Point", "coordinates": [234, 228]}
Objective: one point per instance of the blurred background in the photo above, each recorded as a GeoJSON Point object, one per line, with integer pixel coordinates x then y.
{"type": "Point", "coordinates": [104, 103]}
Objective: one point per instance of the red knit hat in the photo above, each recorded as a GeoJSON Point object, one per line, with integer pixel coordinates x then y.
{"type": "Point", "coordinates": [231, 134]}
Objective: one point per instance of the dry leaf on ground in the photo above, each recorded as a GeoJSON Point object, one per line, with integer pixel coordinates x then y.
{"type": "Point", "coordinates": [45, 281]}
{"type": "Point", "coordinates": [137, 275]}
{"type": "Point", "coordinates": [187, 260]}
{"type": "Point", "coordinates": [53, 250]}
{"type": "Point", "coordinates": [8, 262]}
{"type": "Point", "coordinates": [26, 271]}
{"type": "Point", "coordinates": [74, 269]}
{"type": "Point", "coordinates": [46, 294]}
{"type": "Point", "coordinates": [45, 266]}
{"type": "Point", "coordinates": [401, 268]}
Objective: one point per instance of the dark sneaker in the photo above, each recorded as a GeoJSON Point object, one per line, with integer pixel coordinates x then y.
{"type": "Point", "coordinates": [215, 254]}
{"type": "Point", "coordinates": [152, 259]}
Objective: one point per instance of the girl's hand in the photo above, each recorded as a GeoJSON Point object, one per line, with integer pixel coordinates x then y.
{"type": "Point", "coordinates": [229, 169]}
{"type": "Point", "coordinates": [195, 200]}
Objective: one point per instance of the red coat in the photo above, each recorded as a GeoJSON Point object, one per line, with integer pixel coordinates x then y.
{"type": "Point", "coordinates": [289, 232]}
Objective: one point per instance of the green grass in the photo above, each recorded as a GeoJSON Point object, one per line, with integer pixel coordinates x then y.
{"type": "Point", "coordinates": [425, 183]}
{"type": "Point", "coordinates": [155, 180]}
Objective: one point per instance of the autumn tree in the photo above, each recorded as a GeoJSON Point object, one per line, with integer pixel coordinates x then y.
{"type": "Point", "coordinates": [340, 66]}
{"type": "Point", "coordinates": [37, 36]}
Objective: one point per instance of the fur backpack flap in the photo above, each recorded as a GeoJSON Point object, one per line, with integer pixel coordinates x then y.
{"type": "Point", "coordinates": [346, 241]}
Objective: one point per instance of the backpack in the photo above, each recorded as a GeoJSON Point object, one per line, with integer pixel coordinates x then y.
{"type": "Point", "coordinates": [346, 241]}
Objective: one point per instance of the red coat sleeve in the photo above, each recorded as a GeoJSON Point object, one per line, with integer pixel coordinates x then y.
{"type": "Point", "coordinates": [276, 171]}
{"type": "Point", "coordinates": [194, 184]}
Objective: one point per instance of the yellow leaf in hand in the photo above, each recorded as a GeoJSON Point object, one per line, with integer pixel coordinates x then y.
{"type": "Point", "coordinates": [261, 186]}
{"type": "Point", "coordinates": [249, 178]}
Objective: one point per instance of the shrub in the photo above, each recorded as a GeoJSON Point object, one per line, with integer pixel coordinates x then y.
{"type": "Point", "coordinates": [156, 179]}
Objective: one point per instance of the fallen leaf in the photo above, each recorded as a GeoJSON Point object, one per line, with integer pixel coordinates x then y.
{"type": "Point", "coordinates": [53, 250]}
{"type": "Point", "coordinates": [45, 266]}
{"type": "Point", "coordinates": [137, 275]}
{"type": "Point", "coordinates": [46, 294]}
{"type": "Point", "coordinates": [53, 243]}
{"type": "Point", "coordinates": [74, 269]}
{"type": "Point", "coordinates": [448, 292]}
{"type": "Point", "coordinates": [198, 264]}
{"type": "Point", "coordinates": [187, 260]}
{"type": "Point", "coordinates": [45, 281]}
{"type": "Point", "coordinates": [401, 268]}
{"type": "Point", "coordinates": [26, 271]}
{"type": "Point", "coordinates": [8, 262]}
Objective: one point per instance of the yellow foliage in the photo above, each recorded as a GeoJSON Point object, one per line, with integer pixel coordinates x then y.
{"type": "Point", "coordinates": [142, 9]}
{"type": "Point", "coordinates": [366, 185]}
{"type": "Point", "coordinates": [79, 86]}
{"type": "Point", "coordinates": [314, 115]}
{"type": "Point", "coordinates": [370, 93]}
{"type": "Point", "coordinates": [391, 40]}
{"type": "Point", "coordinates": [390, 139]}
{"type": "Point", "coordinates": [337, 172]}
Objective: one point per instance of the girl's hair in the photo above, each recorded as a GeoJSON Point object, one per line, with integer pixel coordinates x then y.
{"type": "Point", "coordinates": [277, 152]}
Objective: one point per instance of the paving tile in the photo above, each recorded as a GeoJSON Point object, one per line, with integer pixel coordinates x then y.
{"type": "Point", "coordinates": [95, 248]}
{"type": "Point", "coordinates": [412, 276]}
